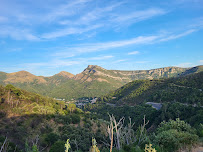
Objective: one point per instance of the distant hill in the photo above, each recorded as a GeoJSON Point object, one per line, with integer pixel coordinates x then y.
{"type": "Point", "coordinates": [93, 81]}
{"type": "Point", "coordinates": [17, 102]}
{"type": "Point", "coordinates": [186, 89]}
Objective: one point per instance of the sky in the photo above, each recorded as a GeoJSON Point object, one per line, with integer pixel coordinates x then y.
{"type": "Point", "coordinates": [46, 37]}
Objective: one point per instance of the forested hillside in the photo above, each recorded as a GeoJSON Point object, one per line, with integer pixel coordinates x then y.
{"type": "Point", "coordinates": [185, 89]}
{"type": "Point", "coordinates": [28, 118]}
{"type": "Point", "coordinates": [31, 123]}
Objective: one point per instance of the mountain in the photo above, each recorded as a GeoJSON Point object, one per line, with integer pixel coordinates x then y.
{"type": "Point", "coordinates": [185, 89]}
{"type": "Point", "coordinates": [192, 70]}
{"type": "Point", "coordinates": [101, 74]}
{"type": "Point", "coordinates": [93, 81]}
{"type": "Point", "coordinates": [23, 77]}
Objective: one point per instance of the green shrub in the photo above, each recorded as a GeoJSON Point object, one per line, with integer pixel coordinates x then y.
{"type": "Point", "coordinates": [75, 118]}
{"type": "Point", "coordinates": [173, 135]}
{"type": "Point", "coordinates": [51, 138]}
{"type": "Point", "coordinates": [58, 147]}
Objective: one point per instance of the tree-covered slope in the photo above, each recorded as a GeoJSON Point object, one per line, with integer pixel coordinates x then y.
{"type": "Point", "coordinates": [28, 118]}
{"type": "Point", "coordinates": [184, 89]}
{"type": "Point", "coordinates": [15, 102]}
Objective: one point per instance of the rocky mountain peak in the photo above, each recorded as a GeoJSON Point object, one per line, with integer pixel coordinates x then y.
{"type": "Point", "coordinates": [93, 67]}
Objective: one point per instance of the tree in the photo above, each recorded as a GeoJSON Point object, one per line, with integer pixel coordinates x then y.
{"type": "Point", "coordinates": [125, 135]}
{"type": "Point", "coordinates": [117, 126]}
{"type": "Point", "coordinates": [67, 145]}
{"type": "Point", "coordinates": [94, 147]}
{"type": "Point", "coordinates": [71, 107]}
{"type": "Point", "coordinates": [58, 146]}
{"type": "Point", "coordinates": [51, 138]}
{"type": "Point", "coordinates": [173, 135]}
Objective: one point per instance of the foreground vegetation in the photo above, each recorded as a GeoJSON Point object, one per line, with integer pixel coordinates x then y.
{"type": "Point", "coordinates": [30, 122]}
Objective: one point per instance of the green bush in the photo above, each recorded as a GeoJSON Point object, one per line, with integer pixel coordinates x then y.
{"type": "Point", "coordinates": [173, 135]}
{"type": "Point", "coordinates": [58, 147]}
{"type": "Point", "coordinates": [75, 118]}
{"type": "Point", "coordinates": [51, 138]}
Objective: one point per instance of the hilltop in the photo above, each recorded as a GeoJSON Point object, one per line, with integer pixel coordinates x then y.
{"type": "Point", "coordinates": [187, 89]}
{"type": "Point", "coordinates": [93, 81]}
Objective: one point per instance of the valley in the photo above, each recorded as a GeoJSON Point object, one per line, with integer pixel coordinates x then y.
{"type": "Point", "coordinates": [158, 97]}
{"type": "Point", "coordinates": [101, 76]}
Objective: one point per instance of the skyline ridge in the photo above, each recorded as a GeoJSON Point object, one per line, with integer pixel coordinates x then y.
{"type": "Point", "coordinates": [102, 68]}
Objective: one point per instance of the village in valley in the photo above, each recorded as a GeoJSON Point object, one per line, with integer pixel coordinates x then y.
{"type": "Point", "coordinates": [80, 102]}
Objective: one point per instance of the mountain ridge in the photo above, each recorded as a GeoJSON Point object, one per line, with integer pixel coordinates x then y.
{"type": "Point", "coordinates": [96, 66]}
{"type": "Point", "coordinates": [92, 81]}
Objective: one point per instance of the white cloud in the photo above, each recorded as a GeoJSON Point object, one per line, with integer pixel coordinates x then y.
{"type": "Point", "coordinates": [138, 16]}
{"type": "Point", "coordinates": [54, 63]}
{"type": "Point", "coordinates": [171, 37]}
{"type": "Point", "coordinates": [201, 61]}
{"type": "Point", "coordinates": [140, 40]}
{"type": "Point", "coordinates": [118, 61]}
{"type": "Point", "coordinates": [185, 65]}
{"type": "Point", "coordinates": [68, 31]}
{"type": "Point", "coordinates": [141, 62]}
{"type": "Point", "coordinates": [101, 57]}
{"type": "Point", "coordinates": [71, 18]}
{"type": "Point", "coordinates": [133, 53]}
{"type": "Point", "coordinates": [97, 13]}
{"type": "Point", "coordinates": [18, 34]}
{"type": "Point", "coordinates": [85, 48]}
{"type": "Point", "coordinates": [64, 10]}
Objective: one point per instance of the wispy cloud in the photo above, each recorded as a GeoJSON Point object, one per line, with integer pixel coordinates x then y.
{"type": "Point", "coordinates": [201, 61]}
{"type": "Point", "coordinates": [17, 34]}
{"type": "Point", "coordinates": [56, 63]}
{"type": "Point", "coordinates": [71, 17]}
{"type": "Point", "coordinates": [98, 13]}
{"type": "Point", "coordinates": [140, 40]}
{"type": "Point", "coordinates": [85, 48]}
{"type": "Point", "coordinates": [119, 61]}
{"type": "Point", "coordinates": [65, 10]}
{"type": "Point", "coordinates": [68, 31]}
{"type": "Point", "coordinates": [133, 53]}
{"type": "Point", "coordinates": [141, 62]}
{"type": "Point", "coordinates": [185, 65]}
{"type": "Point", "coordinates": [52, 64]}
{"type": "Point", "coordinates": [138, 16]}
{"type": "Point", "coordinates": [176, 36]}
{"type": "Point", "coordinates": [101, 57]}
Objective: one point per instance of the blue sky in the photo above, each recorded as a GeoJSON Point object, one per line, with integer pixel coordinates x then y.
{"type": "Point", "coordinates": [46, 37]}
